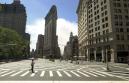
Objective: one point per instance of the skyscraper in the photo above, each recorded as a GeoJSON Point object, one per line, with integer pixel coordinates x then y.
{"type": "Point", "coordinates": [103, 28]}
{"type": "Point", "coordinates": [14, 16]}
{"type": "Point", "coordinates": [39, 46]}
{"type": "Point", "coordinates": [51, 48]}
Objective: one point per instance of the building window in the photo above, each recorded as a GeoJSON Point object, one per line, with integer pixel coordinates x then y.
{"type": "Point", "coordinates": [116, 23]}
{"type": "Point", "coordinates": [107, 31]}
{"type": "Point", "coordinates": [127, 17]}
{"type": "Point", "coordinates": [127, 29]}
{"type": "Point", "coordinates": [117, 4]}
{"type": "Point", "coordinates": [121, 30]}
{"type": "Point", "coordinates": [122, 37]}
{"type": "Point", "coordinates": [106, 24]}
{"type": "Point", "coordinates": [105, 12]}
{"type": "Point", "coordinates": [117, 10]}
{"type": "Point", "coordinates": [127, 37]}
{"type": "Point", "coordinates": [106, 18]}
{"type": "Point", "coordinates": [127, 23]}
{"type": "Point", "coordinates": [118, 37]}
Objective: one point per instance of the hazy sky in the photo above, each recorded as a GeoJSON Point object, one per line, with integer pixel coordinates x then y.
{"type": "Point", "coordinates": [38, 9]}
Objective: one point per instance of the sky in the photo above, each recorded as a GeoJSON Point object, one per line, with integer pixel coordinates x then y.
{"type": "Point", "coordinates": [38, 9]}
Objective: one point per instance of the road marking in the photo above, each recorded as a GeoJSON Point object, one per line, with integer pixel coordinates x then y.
{"type": "Point", "coordinates": [7, 73]}
{"type": "Point", "coordinates": [119, 73]}
{"type": "Point", "coordinates": [106, 73]}
{"type": "Point", "coordinates": [3, 72]}
{"type": "Point", "coordinates": [24, 73]}
{"type": "Point", "coordinates": [42, 74]}
{"type": "Point", "coordinates": [104, 68]}
{"type": "Point", "coordinates": [90, 74]}
{"type": "Point", "coordinates": [16, 73]}
{"type": "Point", "coordinates": [83, 74]}
{"type": "Point", "coordinates": [59, 74]}
{"type": "Point", "coordinates": [118, 67]}
{"type": "Point", "coordinates": [97, 73]}
{"type": "Point", "coordinates": [121, 77]}
{"type": "Point", "coordinates": [75, 74]}
{"type": "Point", "coordinates": [33, 74]}
{"type": "Point", "coordinates": [51, 74]}
{"type": "Point", "coordinates": [127, 68]}
{"type": "Point", "coordinates": [67, 74]}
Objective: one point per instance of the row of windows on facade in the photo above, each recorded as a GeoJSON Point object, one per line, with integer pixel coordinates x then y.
{"type": "Point", "coordinates": [104, 25]}
{"type": "Point", "coordinates": [120, 0]}
{"type": "Point", "coordinates": [99, 34]}
{"type": "Point", "coordinates": [96, 2]}
{"type": "Point", "coordinates": [96, 10]}
{"type": "Point", "coordinates": [97, 17]}
{"type": "Point", "coordinates": [119, 23]}
{"type": "Point", "coordinates": [120, 17]}
{"type": "Point", "coordinates": [121, 37]}
{"type": "Point", "coordinates": [118, 4]}
{"type": "Point", "coordinates": [99, 40]}
{"type": "Point", "coordinates": [122, 47]}
{"type": "Point", "coordinates": [117, 30]}
{"type": "Point", "coordinates": [125, 11]}
{"type": "Point", "coordinates": [121, 30]}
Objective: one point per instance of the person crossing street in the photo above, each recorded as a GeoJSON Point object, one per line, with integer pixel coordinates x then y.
{"type": "Point", "coordinates": [32, 65]}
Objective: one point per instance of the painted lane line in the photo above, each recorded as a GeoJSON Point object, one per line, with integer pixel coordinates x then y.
{"type": "Point", "coordinates": [83, 74]}
{"type": "Point", "coordinates": [42, 74]}
{"type": "Point", "coordinates": [75, 74]}
{"type": "Point", "coordinates": [7, 73]}
{"type": "Point", "coordinates": [16, 73]}
{"type": "Point", "coordinates": [51, 73]}
{"type": "Point", "coordinates": [97, 73]}
{"type": "Point", "coordinates": [59, 74]}
{"type": "Point", "coordinates": [24, 74]}
{"type": "Point", "coordinates": [67, 74]}
{"type": "Point", "coordinates": [90, 74]}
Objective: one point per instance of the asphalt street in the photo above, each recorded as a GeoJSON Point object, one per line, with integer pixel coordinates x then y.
{"type": "Point", "coordinates": [46, 70]}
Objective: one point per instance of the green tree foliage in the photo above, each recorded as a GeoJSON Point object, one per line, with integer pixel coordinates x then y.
{"type": "Point", "coordinates": [12, 45]}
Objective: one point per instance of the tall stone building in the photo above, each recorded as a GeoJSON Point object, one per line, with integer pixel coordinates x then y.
{"type": "Point", "coordinates": [39, 46]}
{"type": "Point", "coordinates": [51, 48]}
{"type": "Point", "coordinates": [103, 28]}
{"type": "Point", "coordinates": [14, 16]}
{"type": "Point", "coordinates": [71, 48]}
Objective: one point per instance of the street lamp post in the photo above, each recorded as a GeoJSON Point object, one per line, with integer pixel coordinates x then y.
{"type": "Point", "coordinates": [107, 65]}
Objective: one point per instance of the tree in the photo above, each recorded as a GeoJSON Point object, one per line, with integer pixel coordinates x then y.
{"type": "Point", "coordinates": [11, 44]}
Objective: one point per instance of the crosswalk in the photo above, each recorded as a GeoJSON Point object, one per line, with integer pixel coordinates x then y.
{"type": "Point", "coordinates": [23, 73]}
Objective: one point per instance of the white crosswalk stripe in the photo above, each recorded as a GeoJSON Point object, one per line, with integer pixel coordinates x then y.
{"type": "Point", "coordinates": [16, 74]}
{"type": "Point", "coordinates": [105, 73]}
{"type": "Point", "coordinates": [98, 73]}
{"type": "Point", "coordinates": [51, 73]}
{"type": "Point", "coordinates": [75, 74]}
{"type": "Point", "coordinates": [33, 74]}
{"type": "Point", "coordinates": [83, 74]}
{"type": "Point", "coordinates": [24, 74]}
{"type": "Point", "coordinates": [67, 74]}
{"type": "Point", "coordinates": [59, 74]}
{"type": "Point", "coordinates": [3, 72]}
{"type": "Point", "coordinates": [42, 74]}
{"type": "Point", "coordinates": [7, 73]}
{"type": "Point", "coordinates": [90, 74]}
